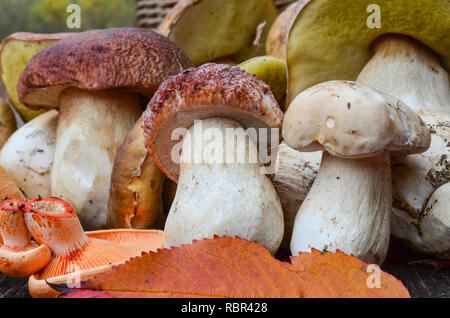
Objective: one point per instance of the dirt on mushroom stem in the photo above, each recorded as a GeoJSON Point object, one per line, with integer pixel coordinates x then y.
{"type": "Point", "coordinates": [217, 197]}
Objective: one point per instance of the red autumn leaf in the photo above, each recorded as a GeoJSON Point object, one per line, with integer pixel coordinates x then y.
{"type": "Point", "coordinates": [233, 267]}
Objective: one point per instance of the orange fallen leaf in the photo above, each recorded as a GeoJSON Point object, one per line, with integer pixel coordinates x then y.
{"type": "Point", "coordinates": [233, 267]}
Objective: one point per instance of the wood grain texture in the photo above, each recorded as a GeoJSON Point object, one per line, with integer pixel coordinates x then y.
{"type": "Point", "coordinates": [13, 287]}
{"type": "Point", "coordinates": [421, 280]}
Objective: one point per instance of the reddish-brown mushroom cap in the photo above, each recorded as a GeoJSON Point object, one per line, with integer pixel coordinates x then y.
{"type": "Point", "coordinates": [76, 254]}
{"type": "Point", "coordinates": [126, 58]}
{"type": "Point", "coordinates": [211, 90]}
{"type": "Point", "coordinates": [19, 257]}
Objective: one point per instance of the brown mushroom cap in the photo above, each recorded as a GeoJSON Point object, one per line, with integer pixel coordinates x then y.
{"type": "Point", "coordinates": [211, 90]}
{"type": "Point", "coordinates": [351, 120]}
{"type": "Point", "coordinates": [32, 37]}
{"type": "Point", "coordinates": [125, 58]}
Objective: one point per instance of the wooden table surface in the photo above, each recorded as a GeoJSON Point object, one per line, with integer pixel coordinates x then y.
{"type": "Point", "coordinates": [421, 280]}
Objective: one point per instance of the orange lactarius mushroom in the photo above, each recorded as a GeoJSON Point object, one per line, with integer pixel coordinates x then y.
{"type": "Point", "coordinates": [77, 255]}
{"type": "Point", "coordinates": [19, 257]}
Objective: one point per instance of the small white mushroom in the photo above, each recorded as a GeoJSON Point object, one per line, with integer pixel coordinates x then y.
{"type": "Point", "coordinates": [28, 155]}
{"type": "Point", "coordinates": [350, 202]}
{"type": "Point", "coordinates": [217, 193]}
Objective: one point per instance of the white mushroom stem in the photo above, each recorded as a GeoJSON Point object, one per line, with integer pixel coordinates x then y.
{"type": "Point", "coordinates": [348, 208]}
{"type": "Point", "coordinates": [221, 197]}
{"type": "Point", "coordinates": [91, 127]}
{"type": "Point", "coordinates": [294, 175]}
{"type": "Point", "coordinates": [405, 69]}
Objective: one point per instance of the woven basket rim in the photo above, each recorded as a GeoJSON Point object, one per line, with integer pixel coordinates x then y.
{"type": "Point", "coordinates": [150, 13]}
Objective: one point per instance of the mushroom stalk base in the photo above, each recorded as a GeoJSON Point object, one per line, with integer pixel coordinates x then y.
{"type": "Point", "coordinates": [91, 127]}
{"type": "Point", "coordinates": [219, 197]}
{"type": "Point", "coordinates": [348, 208]}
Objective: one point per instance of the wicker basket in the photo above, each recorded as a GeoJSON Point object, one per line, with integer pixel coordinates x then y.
{"type": "Point", "coordinates": [151, 12]}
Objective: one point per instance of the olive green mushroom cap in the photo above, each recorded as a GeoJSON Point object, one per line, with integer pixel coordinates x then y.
{"type": "Point", "coordinates": [331, 39]}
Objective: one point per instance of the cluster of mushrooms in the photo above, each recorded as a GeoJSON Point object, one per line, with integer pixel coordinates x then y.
{"type": "Point", "coordinates": [364, 117]}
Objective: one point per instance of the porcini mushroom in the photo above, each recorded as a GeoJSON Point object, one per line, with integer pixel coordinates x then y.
{"type": "Point", "coordinates": [19, 257]}
{"type": "Point", "coordinates": [216, 194]}
{"type": "Point", "coordinates": [28, 155]}
{"type": "Point", "coordinates": [416, 77]}
{"type": "Point", "coordinates": [349, 204]}
{"type": "Point", "coordinates": [77, 255]}
{"type": "Point", "coordinates": [394, 53]}
{"type": "Point", "coordinates": [95, 78]}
